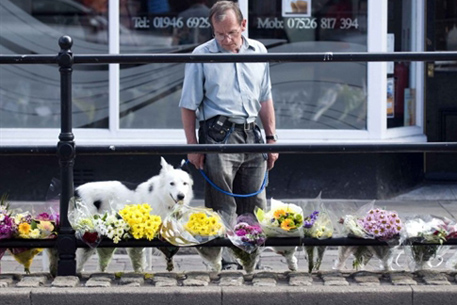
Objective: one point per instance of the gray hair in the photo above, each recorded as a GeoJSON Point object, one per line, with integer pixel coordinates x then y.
{"type": "Point", "coordinates": [219, 9]}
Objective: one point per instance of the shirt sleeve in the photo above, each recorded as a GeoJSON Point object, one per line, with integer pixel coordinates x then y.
{"type": "Point", "coordinates": [265, 90]}
{"type": "Point", "coordinates": [192, 90]}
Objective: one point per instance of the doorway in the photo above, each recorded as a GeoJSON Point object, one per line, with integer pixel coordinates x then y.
{"type": "Point", "coordinates": [441, 92]}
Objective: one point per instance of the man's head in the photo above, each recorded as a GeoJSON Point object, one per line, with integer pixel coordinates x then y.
{"type": "Point", "coordinates": [227, 23]}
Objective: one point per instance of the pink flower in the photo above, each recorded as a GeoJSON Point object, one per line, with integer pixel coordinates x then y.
{"type": "Point", "coordinates": [241, 232]}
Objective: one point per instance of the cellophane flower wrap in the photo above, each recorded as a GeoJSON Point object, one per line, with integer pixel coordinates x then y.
{"type": "Point", "coordinates": [246, 236]}
{"type": "Point", "coordinates": [424, 229]}
{"type": "Point", "coordinates": [371, 222]}
{"type": "Point", "coordinates": [451, 263]}
{"type": "Point", "coordinates": [86, 222]}
{"type": "Point", "coordinates": [193, 226]}
{"type": "Point", "coordinates": [282, 220]}
{"type": "Point", "coordinates": [137, 221]}
{"type": "Point", "coordinates": [42, 226]}
{"type": "Point", "coordinates": [7, 225]}
{"type": "Point", "coordinates": [317, 224]}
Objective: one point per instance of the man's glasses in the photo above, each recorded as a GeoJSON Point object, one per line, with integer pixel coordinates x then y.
{"type": "Point", "coordinates": [230, 35]}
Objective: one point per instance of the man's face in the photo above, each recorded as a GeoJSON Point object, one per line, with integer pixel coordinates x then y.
{"type": "Point", "coordinates": [228, 32]}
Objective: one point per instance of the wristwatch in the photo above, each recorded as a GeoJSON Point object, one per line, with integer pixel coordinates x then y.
{"type": "Point", "coordinates": [272, 137]}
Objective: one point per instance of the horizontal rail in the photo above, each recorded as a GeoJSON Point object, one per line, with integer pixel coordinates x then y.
{"type": "Point", "coordinates": [437, 147]}
{"type": "Point", "coordinates": [218, 242]}
{"type": "Point", "coordinates": [28, 59]}
{"type": "Point", "coordinates": [268, 57]}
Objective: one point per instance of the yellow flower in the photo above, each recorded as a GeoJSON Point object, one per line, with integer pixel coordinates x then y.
{"type": "Point", "coordinates": [24, 229]}
{"type": "Point", "coordinates": [45, 226]}
{"type": "Point", "coordinates": [201, 224]}
{"type": "Point", "coordinates": [35, 233]}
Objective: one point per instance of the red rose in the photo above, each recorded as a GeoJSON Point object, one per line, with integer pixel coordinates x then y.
{"type": "Point", "coordinates": [90, 237]}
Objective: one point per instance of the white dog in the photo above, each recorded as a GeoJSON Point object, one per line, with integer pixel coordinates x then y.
{"type": "Point", "coordinates": [162, 192]}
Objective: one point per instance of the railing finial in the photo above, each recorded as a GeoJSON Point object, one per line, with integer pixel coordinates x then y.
{"type": "Point", "coordinates": [65, 42]}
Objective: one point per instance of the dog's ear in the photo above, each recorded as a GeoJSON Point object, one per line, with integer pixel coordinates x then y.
{"type": "Point", "coordinates": [165, 166]}
{"type": "Point", "coordinates": [185, 166]}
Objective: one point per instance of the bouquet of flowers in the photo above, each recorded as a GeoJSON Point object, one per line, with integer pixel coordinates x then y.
{"type": "Point", "coordinates": [7, 225]}
{"type": "Point", "coordinates": [282, 220]}
{"type": "Point", "coordinates": [84, 223]}
{"type": "Point", "coordinates": [247, 236]}
{"type": "Point", "coordinates": [317, 225]}
{"type": "Point", "coordinates": [53, 218]}
{"type": "Point", "coordinates": [191, 226]}
{"type": "Point", "coordinates": [452, 234]}
{"type": "Point", "coordinates": [137, 221]}
{"type": "Point", "coordinates": [424, 229]}
{"type": "Point", "coordinates": [42, 226]}
{"type": "Point", "coordinates": [375, 223]}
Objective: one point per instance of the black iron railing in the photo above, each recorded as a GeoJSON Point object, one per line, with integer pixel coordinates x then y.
{"type": "Point", "coordinates": [66, 150]}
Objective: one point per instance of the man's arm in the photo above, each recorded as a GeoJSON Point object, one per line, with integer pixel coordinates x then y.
{"type": "Point", "coordinates": [188, 118]}
{"type": "Point", "coordinates": [268, 118]}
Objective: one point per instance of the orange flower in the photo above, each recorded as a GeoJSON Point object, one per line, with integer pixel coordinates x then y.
{"type": "Point", "coordinates": [279, 213]}
{"type": "Point", "coordinates": [288, 225]}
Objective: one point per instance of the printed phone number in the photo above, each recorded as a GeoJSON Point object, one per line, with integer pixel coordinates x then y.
{"type": "Point", "coordinates": [267, 23]}
{"type": "Point", "coordinates": [170, 22]}
{"type": "Point", "coordinates": [308, 23]}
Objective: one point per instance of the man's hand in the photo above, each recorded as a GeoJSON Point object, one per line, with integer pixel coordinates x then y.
{"type": "Point", "coordinates": [272, 157]}
{"type": "Point", "coordinates": [197, 160]}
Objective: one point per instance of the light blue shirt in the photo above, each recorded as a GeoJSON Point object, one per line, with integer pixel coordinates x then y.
{"type": "Point", "coordinates": [234, 90]}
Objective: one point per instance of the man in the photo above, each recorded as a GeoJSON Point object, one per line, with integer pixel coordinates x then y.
{"type": "Point", "coordinates": [227, 98]}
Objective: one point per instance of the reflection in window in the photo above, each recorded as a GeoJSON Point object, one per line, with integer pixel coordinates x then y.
{"type": "Point", "coordinates": [30, 94]}
{"type": "Point", "coordinates": [165, 26]}
{"type": "Point", "coordinates": [315, 95]}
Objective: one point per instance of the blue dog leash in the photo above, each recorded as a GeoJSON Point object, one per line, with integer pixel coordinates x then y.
{"type": "Point", "coordinates": [262, 187]}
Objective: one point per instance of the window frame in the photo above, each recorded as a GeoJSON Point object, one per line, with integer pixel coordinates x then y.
{"type": "Point", "coordinates": [377, 130]}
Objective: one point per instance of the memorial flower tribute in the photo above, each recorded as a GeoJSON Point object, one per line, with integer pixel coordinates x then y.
{"type": "Point", "coordinates": [320, 226]}
{"type": "Point", "coordinates": [282, 220]}
{"type": "Point", "coordinates": [375, 223]}
{"type": "Point", "coordinates": [246, 236]}
{"type": "Point", "coordinates": [193, 226]}
{"type": "Point", "coordinates": [425, 229]}
{"type": "Point", "coordinates": [27, 226]}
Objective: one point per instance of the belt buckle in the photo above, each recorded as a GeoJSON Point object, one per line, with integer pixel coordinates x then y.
{"type": "Point", "coordinates": [247, 126]}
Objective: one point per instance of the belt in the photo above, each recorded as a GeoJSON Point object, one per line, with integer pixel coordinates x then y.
{"type": "Point", "coordinates": [227, 124]}
{"type": "Point", "coordinates": [245, 126]}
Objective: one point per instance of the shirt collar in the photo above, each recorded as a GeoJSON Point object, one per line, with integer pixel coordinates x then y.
{"type": "Point", "coordinates": [214, 46]}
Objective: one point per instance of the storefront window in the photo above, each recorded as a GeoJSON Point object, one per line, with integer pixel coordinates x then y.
{"type": "Point", "coordinates": [30, 94]}
{"type": "Point", "coordinates": [169, 26]}
{"type": "Point", "coordinates": [307, 96]}
{"type": "Point", "coordinates": [315, 95]}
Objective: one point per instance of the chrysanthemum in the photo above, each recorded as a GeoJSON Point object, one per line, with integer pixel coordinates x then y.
{"type": "Point", "coordinates": [24, 229]}
{"type": "Point", "coordinates": [279, 213]}
{"type": "Point", "coordinates": [288, 225]}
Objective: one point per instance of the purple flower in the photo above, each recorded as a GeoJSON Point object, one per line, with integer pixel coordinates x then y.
{"type": "Point", "coordinates": [309, 221]}
{"type": "Point", "coordinates": [241, 232]}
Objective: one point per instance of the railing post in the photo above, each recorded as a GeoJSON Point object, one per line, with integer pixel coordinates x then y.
{"type": "Point", "coordinates": [66, 240]}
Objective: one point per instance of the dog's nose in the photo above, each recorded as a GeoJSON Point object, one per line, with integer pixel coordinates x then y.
{"type": "Point", "coordinates": [181, 196]}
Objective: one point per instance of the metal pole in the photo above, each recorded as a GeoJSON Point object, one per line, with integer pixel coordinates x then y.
{"type": "Point", "coordinates": [66, 240]}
